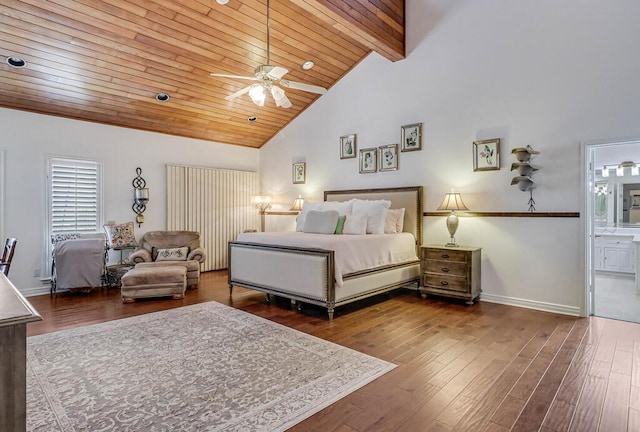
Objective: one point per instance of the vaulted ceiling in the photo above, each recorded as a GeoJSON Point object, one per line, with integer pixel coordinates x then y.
{"type": "Point", "coordinates": [106, 60]}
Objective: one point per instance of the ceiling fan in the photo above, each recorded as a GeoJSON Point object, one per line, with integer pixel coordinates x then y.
{"type": "Point", "coordinates": [269, 80]}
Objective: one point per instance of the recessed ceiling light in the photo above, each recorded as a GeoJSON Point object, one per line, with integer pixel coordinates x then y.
{"type": "Point", "coordinates": [308, 65]}
{"type": "Point", "coordinates": [222, 2]}
{"type": "Point", "coordinates": [252, 118]}
{"type": "Point", "coordinates": [16, 62]}
{"type": "Point", "coordinates": [162, 97]}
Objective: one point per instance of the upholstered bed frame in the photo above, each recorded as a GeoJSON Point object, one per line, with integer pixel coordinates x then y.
{"type": "Point", "coordinates": [307, 275]}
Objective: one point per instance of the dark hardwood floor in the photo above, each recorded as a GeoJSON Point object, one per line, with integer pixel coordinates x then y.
{"type": "Point", "coordinates": [487, 367]}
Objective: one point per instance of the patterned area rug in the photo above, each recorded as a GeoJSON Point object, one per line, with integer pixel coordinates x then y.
{"type": "Point", "coordinates": [206, 367]}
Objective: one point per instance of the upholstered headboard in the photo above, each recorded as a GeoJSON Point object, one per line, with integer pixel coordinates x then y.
{"type": "Point", "coordinates": [409, 198]}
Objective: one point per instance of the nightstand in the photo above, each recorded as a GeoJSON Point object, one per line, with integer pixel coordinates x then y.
{"type": "Point", "coordinates": [450, 272]}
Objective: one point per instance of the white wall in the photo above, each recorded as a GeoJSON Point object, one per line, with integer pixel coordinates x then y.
{"type": "Point", "coordinates": [543, 73]}
{"type": "Point", "coordinates": [29, 139]}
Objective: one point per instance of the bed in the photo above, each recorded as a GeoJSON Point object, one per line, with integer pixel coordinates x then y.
{"type": "Point", "coordinates": [309, 274]}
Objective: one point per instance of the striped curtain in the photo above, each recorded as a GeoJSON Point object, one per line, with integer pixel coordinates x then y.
{"type": "Point", "coordinates": [214, 202]}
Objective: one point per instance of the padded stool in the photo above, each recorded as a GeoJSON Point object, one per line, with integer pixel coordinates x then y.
{"type": "Point", "coordinates": [154, 282]}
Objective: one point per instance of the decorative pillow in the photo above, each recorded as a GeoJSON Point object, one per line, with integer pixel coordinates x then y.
{"type": "Point", "coordinates": [120, 236]}
{"type": "Point", "coordinates": [342, 207]}
{"type": "Point", "coordinates": [55, 238]}
{"type": "Point", "coordinates": [376, 212]}
{"type": "Point", "coordinates": [306, 208]}
{"type": "Point", "coordinates": [355, 224]}
{"type": "Point", "coordinates": [340, 225]}
{"type": "Point", "coordinates": [174, 254]}
{"type": "Point", "coordinates": [394, 222]}
{"type": "Point", "coordinates": [321, 222]}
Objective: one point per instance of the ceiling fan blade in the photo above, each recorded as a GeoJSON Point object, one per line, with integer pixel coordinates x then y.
{"type": "Point", "coordinates": [277, 72]}
{"type": "Point", "coordinates": [252, 78]}
{"type": "Point", "coordinates": [280, 98]}
{"type": "Point", "coordinates": [303, 86]}
{"type": "Point", "coordinates": [238, 93]}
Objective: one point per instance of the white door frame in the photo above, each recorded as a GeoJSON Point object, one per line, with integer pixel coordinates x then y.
{"type": "Point", "coordinates": [587, 179]}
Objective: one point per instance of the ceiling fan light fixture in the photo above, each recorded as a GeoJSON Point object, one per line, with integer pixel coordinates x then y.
{"type": "Point", "coordinates": [257, 94]}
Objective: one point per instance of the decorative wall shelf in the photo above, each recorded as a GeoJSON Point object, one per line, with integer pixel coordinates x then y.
{"type": "Point", "coordinates": [509, 214]}
{"type": "Point", "coordinates": [525, 170]}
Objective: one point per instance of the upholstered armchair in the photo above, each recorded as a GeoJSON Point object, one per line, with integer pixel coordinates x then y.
{"type": "Point", "coordinates": [170, 248]}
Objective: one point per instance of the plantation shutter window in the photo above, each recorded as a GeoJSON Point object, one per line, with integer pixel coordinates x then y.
{"type": "Point", "coordinates": [74, 196]}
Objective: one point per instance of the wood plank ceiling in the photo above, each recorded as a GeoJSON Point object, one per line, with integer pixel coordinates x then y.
{"type": "Point", "coordinates": [105, 60]}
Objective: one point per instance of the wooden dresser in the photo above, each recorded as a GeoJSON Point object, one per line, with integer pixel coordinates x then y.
{"type": "Point", "coordinates": [15, 313]}
{"type": "Point", "coordinates": [450, 272]}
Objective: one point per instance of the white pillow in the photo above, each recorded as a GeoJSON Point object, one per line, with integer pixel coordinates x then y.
{"type": "Point", "coordinates": [394, 222]}
{"type": "Point", "coordinates": [306, 208]}
{"type": "Point", "coordinates": [376, 212]}
{"type": "Point", "coordinates": [355, 224]}
{"type": "Point", "coordinates": [321, 222]}
{"type": "Point", "coordinates": [342, 207]}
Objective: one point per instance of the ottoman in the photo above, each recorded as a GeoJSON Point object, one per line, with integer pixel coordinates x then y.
{"type": "Point", "coordinates": [154, 282]}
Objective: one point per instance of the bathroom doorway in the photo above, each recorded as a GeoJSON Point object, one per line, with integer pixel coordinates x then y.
{"type": "Point", "coordinates": [613, 230]}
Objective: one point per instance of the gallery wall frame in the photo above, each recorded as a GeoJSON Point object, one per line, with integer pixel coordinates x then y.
{"type": "Point", "coordinates": [368, 160]}
{"type": "Point", "coordinates": [411, 137]}
{"type": "Point", "coordinates": [348, 146]}
{"type": "Point", "coordinates": [388, 156]}
{"type": "Point", "coordinates": [299, 173]}
{"type": "Point", "coordinates": [486, 155]}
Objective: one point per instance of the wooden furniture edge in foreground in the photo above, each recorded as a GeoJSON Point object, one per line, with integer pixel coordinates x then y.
{"type": "Point", "coordinates": [15, 313]}
{"type": "Point", "coordinates": [508, 214]}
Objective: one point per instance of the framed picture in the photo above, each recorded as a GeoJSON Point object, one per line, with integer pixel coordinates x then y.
{"type": "Point", "coordinates": [348, 146]}
{"type": "Point", "coordinates": [411, 137]}
{"type": "Point", "coordinates": [486, 155]}
{"type": "Point", "coordinates": [299, 172]}
{"type": "Point", "coordinates": [389, 157]}
{"type": "Point", "coordinates": [368, 160]}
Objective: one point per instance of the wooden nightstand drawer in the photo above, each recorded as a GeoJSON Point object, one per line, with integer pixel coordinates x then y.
{"type": "Point", "coordinates": [446, 267]}
{"type": "Point", "coordinates": [451, 272]}
{"type": "Point", "coordinates": [445, 255]}
{"type": "Point", "coordinates": [439, 281]}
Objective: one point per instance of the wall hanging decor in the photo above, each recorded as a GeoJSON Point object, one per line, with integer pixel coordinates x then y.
{"type": "Point", "coordinates": [348, 146]}
{"type": "Point", "coordinates": [525, 170]}
{"type": "Point", "coordinates": [140, 197]}
{"type": "Point", "coordinates": [389, 157]}
{"type": "Point", "coordinates": [299, 173]}
{"type": "Point", "coordinates": [368, 160]}
{"type": "Point", "coordinates": [411, 137]}
{"type": "Point", "coordinates": [486, 155]}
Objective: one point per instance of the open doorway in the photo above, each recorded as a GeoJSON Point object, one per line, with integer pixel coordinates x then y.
{"type": "Point", "coordinates": [613, 221]}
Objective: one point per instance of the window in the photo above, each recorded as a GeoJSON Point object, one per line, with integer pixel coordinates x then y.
{"type": "Point", "coordinates": [74, 192]}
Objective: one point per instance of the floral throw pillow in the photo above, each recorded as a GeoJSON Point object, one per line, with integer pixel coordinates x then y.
{"type": "Point", "coordinates": [121, 236]}
{"type": "Point", "coordinates": [175, 254]}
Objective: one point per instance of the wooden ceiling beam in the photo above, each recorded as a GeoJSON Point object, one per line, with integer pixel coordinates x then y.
{"type": "Point", "coordinates": [378, 25]}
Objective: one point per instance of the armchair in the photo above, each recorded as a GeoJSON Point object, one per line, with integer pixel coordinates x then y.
{"type": "Point", "coordinates": [152, 242]}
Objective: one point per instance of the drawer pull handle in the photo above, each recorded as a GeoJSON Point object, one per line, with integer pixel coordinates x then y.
{"type": "Point", "coordinates": [444, 283]}
{"type": "Point", "coordinates": [444, 269]}
{"type": "Point", "coordinates": [445, 256]}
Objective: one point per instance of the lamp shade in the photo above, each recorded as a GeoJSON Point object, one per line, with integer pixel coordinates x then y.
{"type": "Point", "coordinates": [298, 203]}
{"type": "Point", "coordinates": [452, 201]}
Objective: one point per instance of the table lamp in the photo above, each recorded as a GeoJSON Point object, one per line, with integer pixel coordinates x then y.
{"type": "Point", "coordinates": [452, 201]}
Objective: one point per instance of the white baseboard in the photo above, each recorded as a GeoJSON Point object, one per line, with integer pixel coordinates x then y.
{"type": "Point", "coordinates": [531, 304]}
{"type": "Point", "coordinates": [29, 292]}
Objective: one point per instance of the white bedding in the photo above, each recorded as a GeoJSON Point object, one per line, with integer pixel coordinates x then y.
{"type": "Point", "coordinates": [352, 252]}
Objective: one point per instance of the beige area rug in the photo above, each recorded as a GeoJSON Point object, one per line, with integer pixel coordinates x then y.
{"type": "Point", "coordinates": [206, 367]}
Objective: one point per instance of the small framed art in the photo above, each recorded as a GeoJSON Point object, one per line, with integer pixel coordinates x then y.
{"type": "Point", "coordinates": [368, 160]}
{"type": "Point", "coordinates": [389, 157]}
{"type": "Point", "coordinates": [348, 146]}
{"type": "Point", "coordinates": [299, 172]}
{"type": "Point", "coordinates": [411, 137]}
{"type": "Point", "coordinates": [486, 155]}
